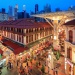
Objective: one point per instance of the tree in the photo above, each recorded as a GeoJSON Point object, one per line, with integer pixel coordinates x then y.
{"type": "Point", "coordinates": [57, 55]}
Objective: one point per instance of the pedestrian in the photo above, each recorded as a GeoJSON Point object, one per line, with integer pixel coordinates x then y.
{"type": "Point", "coordinates": [39, 63]}
{"type": "Point", "coordinates": [31, 68]}
{"type": "Point", "coordinates": [7, 66]}
{"type": "Point", "coordinates": [27, 63]}
{"type": "Point", "coordinates": [56, 72]}
{"type": "Point", "coordinates": [27, 73]}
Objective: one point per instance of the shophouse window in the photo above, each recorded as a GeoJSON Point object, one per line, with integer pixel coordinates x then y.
{"type": "Point", "coordinates": [70, 36]}
{"type": "Point", "coordinates": [69, 53]}
{"type": "Point", "coordinates": [11, 29]}
{"type": "Point", "coordinates": [18, 30]}
{"type": "Point", "coordinates": [26, 39]}
{"type": "Point", "coordinates": [26, 30]}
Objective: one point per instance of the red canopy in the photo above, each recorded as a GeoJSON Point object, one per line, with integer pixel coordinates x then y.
{"type": "Point", "coordinates": [16, 48]}
{"type": "Point", "coordinates": [19, 50]}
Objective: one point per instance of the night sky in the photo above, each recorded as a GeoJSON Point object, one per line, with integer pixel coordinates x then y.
{"type": "Point", "coordinates": [30, 4]}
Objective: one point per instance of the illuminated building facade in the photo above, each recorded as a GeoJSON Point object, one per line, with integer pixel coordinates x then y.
{"type": "Point", "coordinates": [25, 31]}
{"type": "Point", "coordinates": [70, 47]}
{"type": "Point", "coordinates": [3, 16]}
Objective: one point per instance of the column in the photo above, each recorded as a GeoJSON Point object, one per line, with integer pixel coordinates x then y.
{"type": "Point", "coordinates": [65, 57]}
{"type": "Point", "coordinates": [24, 30]}
{"type": "Point", "coordinates": [16, 37]}
{"type": "Point", "coordinates": [67, 33]}
{"type": "Point", "coordinates": [21, 38]}
{"type": "Point", "coordinates": [65, 49]}
{"type": "Point", "coordinates": [6, 34]}
{"type": "Point", "coordinates": [73, 54]}
{"type": "Point", "coordinates": [74, 70]}
{"type": "Point", "coordinates": [24, 40]}
{"type": "Point", "coordinates": [33, 37]}
{"type": "Point", "coordinates": [56, 41]}
{"type": "Point", "coordinates": [10, 34]}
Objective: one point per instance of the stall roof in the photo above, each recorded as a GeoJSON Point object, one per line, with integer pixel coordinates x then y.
{"type": "Point", "coordinates": [16, 48]}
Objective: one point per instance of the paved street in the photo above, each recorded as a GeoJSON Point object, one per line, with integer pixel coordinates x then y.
{"type": "Point", "coordinates": [35, 70]}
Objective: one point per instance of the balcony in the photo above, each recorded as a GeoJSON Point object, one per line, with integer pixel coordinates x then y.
{"type": "Point", "coordinates": [70, 42]}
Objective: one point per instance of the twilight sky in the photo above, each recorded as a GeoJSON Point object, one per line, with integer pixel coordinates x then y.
{"type": "Point", "coordinates": [30, 4]}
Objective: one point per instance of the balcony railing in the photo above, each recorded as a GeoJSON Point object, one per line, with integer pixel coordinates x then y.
{"type": "Point", "coordinates": [70, 42]}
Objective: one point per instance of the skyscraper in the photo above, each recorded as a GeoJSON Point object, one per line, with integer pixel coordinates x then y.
{"type": "Point", "coordinates": [10, 11]}
{"type": "Point", "coordinates": [24, 7]}
{"type": "Point", "coordinates": [24, 10]}
{"type": "Point", "coordinates": [47, 8]}
{"type": "Point", "coordinates": [3, 10]}
{"type": "Point", "coordinates": [36, 8]}
{"type": "Point", "coordinates": [16, 11]}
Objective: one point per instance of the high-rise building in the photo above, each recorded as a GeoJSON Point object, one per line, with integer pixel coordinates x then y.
{"type": "Point", "coordinates": [47, 8]}
{"type": "Point", "coordinates": [10, 11]}
{"type": "Point", "coordinates": [16, 12]}
{"type": "Point", "coordinates": [3, 16]}
{"type": "Point", "coordinates": [71, 8]}
{"type": "Point", "coordinates": [36, 8]}
{"type": "Point", "coordinates": [58, 9]}
{"type": "Point", "coordinates": [23, 15]}
{"type": "Point", "coordinates": [24, 11]}
{"type": "Point", "coordinates": [24, 7]}
{"type": "Point", "coordinates": [2, 10]}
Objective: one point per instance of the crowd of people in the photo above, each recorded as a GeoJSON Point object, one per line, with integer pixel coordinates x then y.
{"type": "Point", "coordinates": [26, 65]}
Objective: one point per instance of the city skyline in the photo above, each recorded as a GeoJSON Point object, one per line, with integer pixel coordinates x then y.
{"type": "Point", "coordinates": [30, 5]}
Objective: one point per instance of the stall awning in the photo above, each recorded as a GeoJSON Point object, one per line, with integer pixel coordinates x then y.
{"type": "Point", "coordinates": [19, 50]}
{"type": "Point", "coordinates": [11, 44]}
{"type": "Point", "coordinates": [16, 48]}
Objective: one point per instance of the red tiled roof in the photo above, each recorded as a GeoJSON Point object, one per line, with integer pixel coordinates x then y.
{"type": "Point", "coordinates": [1, 52]}
{"type": "Point", "coordinates": [72, 22]}
{"type": "Point", "coordinates": [24, 23]}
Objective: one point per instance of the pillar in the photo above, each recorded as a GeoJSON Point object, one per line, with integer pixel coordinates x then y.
{"type": "Point", "coordinates": [16, 37]}
{"type": "Point", "coordinates": [24, 40]}
{"type": "Point", "coordinates": [7, 33]}
{"type": "Point", "coordinates": [74, 70]}
{"type": "Point", "coordinates": [55, 41]}
{"type": "Point", "coordinates": [65, 49]}
{"type": "Point", "coordinates": [33, 37]}
{"type": "Point", "coordinates": [67, 33]}
{"type": "Point", "coordinates": [73, 54]}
